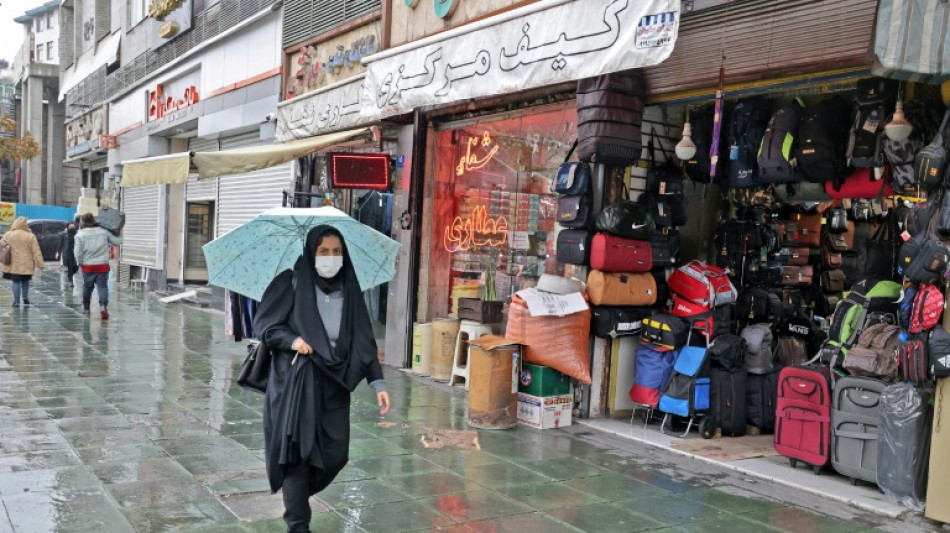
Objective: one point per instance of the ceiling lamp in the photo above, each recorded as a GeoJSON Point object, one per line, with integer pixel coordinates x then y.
{"type": "Point", "coordinates": [686, 148]}
{"type": "Point", "coordinates": [898, 129]}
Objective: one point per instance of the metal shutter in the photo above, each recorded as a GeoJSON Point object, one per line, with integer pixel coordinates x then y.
{"type": "Point", "coordinates": [197, 144]}
{"type": "Point", "coordinates": [143, 237]}
{"type": "Point", "coordinates": [103, 19]}
{"type": "Point", "coordinates": [244, 196]}
{"type": "Point", "coordinates": [201, 190]}
{"type": "Point", "coordinates": [304, 19]}
{"type": "Point", "coordinates": [243, 140]}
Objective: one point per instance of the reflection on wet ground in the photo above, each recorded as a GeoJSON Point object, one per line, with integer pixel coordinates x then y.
{"type": "Point", "coordinates": [134, 425]}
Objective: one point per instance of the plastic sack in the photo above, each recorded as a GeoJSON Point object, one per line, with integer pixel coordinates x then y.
{"type": "Point", "coordinates": [903, 444]}
{"type": "Point", "coordinates": [557, 342]}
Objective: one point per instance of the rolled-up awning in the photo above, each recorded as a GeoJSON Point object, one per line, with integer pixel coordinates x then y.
{"type": "Point", "coordinates": [171, 168]}
{"type": "Point", "coordinates": [174, 168]}
{"type": "Point", "coordinates": [241, 160]}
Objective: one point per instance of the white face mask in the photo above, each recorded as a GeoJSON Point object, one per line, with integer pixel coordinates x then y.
{"type": "Point", "coordinates": [328, 265]}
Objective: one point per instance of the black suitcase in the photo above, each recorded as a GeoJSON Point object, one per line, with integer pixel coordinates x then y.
{"type": "Point", "coordinates": [903, 451]}
{"type": "Point", "coordinates": [573, 246]}
{"type": "Point", "coordinates": [727, 399]}
{"type": "Point", "coordinates": [761, 395]}
{"type": "Point", "coordinates": [612, 322]}
{"type": "Point", "coordinates": [610, 112]}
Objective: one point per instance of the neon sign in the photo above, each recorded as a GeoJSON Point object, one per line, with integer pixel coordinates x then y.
{"type": "Point", "coordinates": [160, 105]}
{"type": "Point", "coordinates": [470, 161]}
{"type": "Point", "coordinates": [477, 230]}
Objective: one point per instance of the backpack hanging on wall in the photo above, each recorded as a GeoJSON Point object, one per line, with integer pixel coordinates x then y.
{"type": "Point", "coordinates": [822, 139]}
{"type": "Point", "coordinates": [747, 125]}
{"type": "Point", "coordinates": [697, 168]}
{"type": "Point", "coordinates": [875, 98]}
{"type": "Point", "coordinates": [609, 115]}
{"type": "Point", "coordinates": [776, 156]}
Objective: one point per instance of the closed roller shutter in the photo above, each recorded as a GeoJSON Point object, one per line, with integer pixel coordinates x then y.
{"type": "Point", "coordinates": [201, 190]}
{"type": "Point", "coordinates": [243, 140]}
{"type": "Point", "coordinates": [197, 144]}
{"type": "Point", "coordinates": [244, 196]}
{"type": "Point", "coordinates": [143, 236]}
{"type": "Point", "coordinates": [307, 18]}
{"type": "Point", "coordinates": [762, 42]}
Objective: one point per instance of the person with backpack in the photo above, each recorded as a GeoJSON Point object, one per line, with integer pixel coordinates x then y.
{"type": "Point", "coordinates": [92, 247]}
{"type": "Point", "coordinates": [66, 253]}
{"type": "Point", "coordinates": [25, 258]}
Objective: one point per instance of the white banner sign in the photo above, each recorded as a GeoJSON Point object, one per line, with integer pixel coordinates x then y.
{"type": "Point", "coordinates": [332, 109]}
{"type": "Point", "coordinates": [565, 42]}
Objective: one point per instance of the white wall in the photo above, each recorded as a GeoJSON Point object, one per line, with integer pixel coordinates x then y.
{"type": "Point", "coordinates": [49, 34]}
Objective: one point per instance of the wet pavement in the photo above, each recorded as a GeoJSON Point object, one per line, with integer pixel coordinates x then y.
{"type": "Point", "coordinates": [134, 425]}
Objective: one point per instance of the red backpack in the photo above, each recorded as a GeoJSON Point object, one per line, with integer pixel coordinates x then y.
{"type": "Point", "coordinates": [927, 308]}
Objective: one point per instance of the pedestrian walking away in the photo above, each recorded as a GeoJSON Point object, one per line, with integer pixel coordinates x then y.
{"type": "Point", "coordinates": [25, 258]}
{"type": "Point", "coordinates": [92, 250]}
{"type": "Point", "coordinates": [315, 321]}
{"type": "Point", "coordinates": [66, 252]}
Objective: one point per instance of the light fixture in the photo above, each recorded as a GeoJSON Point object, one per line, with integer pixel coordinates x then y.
{"type": "Point", "coordinates": [898, 129]}
{"type": "Point", "coordinates": [686, 148]}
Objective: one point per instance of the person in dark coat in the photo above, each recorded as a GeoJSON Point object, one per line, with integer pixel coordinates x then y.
{"type": "Point", "coordinates": [314, 320]}
{"type": "Point", "coordinates": [66, 244]}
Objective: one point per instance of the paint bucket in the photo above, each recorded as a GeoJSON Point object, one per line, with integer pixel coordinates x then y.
{"type": "Point", "coordinates": [445, 333]}
{"type": "Point", "coordinates": [422, 349]}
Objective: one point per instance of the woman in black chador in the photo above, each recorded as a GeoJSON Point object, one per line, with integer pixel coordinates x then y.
{"type": "Point", "coordinates": [315, 321]}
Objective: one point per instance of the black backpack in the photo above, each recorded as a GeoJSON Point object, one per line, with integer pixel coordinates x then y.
{"type": "Point", "coordinates": [727, 352]}
{"type": "Point", "coordinates": [822, 140]}
{"type": "Point", "coordinates": [875, 98]}
{"type": "Point", "coordinates": [698, 167]}
{"type": "Point", "coordinates": [776, 156]}
{"type": "Point", "coordinates": [747, 126]}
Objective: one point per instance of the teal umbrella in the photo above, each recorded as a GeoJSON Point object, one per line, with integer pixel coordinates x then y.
{"type": "Point", "coordinates": [248, 258]}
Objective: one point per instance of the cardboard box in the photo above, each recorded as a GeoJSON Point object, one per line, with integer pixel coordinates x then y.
{"type": "Point", "coordinates": [480, 311]}
{"type": "Point", "coordinates": [938, 485]}
{"type": "Point", "coordinates": [545, 412]}
{"type": "Point", "coordinates": [539, 380]}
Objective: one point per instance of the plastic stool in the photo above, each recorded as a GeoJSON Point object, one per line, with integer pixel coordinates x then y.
{"type": "Point", "coordinates": [471, 330]}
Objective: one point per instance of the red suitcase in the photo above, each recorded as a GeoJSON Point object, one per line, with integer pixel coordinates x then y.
{"type": "Point", "coordinates": [616, 254]}
{"type": "Point", "coordinates": [803, 415]}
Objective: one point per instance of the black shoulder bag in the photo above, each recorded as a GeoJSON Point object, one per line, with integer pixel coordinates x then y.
{"type": "Point", "coordinates": [256, 368]}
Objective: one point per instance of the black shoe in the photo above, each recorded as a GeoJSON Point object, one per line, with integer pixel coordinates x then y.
{"type": "Point", "coordinates": [16, 304]}
{"type": "Point", "coordinates": [26, 301]}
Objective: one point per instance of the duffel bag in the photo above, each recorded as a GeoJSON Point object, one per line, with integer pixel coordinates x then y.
{"type": "Point", "coordinates": [727, 352]}
{"type": "Point", "coordinates": [704, 284]}
{"type": "Point", "coordinates": [653, 369]}
{"type": "Point", "coordinates": [616, 254]}
{"type": "Point", "coordinates": [573, 246]}
{"type": "Point", "coordinates": [860, 184]}
{"type": "Point", "coordinates": [626, 219]}
{"type": "Point", "coordinates": [664, 332]}
{"type": "Point", "coordinates": [613, 288]}
{"type": "Point", "coordinates": [574, 211]}
{"type": "Point", "coordinates": [682, 307]}
{"type": "Point", "coordinates": [613, 322]}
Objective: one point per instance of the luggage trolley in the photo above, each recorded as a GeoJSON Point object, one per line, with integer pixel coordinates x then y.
{"type": "Point", "coordinates": [687, 392]}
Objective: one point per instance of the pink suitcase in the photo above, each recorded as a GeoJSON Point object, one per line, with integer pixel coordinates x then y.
{"type": "Point", "coordinates": [610, 253]}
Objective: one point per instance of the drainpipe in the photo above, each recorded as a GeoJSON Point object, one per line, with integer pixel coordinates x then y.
{"type": "Point", "coordinates": [387, 22]}
{"type": "Point", "coordinates": [416, 192]}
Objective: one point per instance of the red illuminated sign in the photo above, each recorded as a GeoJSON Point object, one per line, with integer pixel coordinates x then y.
{"type": "Point", "coordinates": [360, 171]}
{"type": "Point", "coordinates": [160, 105]}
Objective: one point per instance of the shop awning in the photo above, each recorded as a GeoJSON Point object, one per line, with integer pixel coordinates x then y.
{"type": "Point", "coordinates": [174, 168]}
{"type": "Point", "coordinates": [241, 160]}
{"type": "Point", "coordinates": [171, 168]}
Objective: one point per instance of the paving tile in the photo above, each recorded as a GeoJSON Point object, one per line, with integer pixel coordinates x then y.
{"type": "Point", "coordinates": [615, 488]}
{"type": "Point", "coordinates": [397, 465]}
{"type": "Point", "coordinates": [474, 505]}
{"type": "Point", "coordinates": [522, 523]}
{"type": "Point", "coordinates": [421, 485]}
{"type": "Point", "coordinates": [255, 506]}
{"type": "Point", "coordinates": [178, 516]}
{"type": "Point", "coordinates": [729, 523]}
{"type": "Point", "coordinates": [605, 517]}
{"type": "Point", "coordinates": [796, 520]}
{"type": "Point", "coordinates": [503, 475]}
{"type": "Point", "coordinates": [360, 494]}
{"type": "Point", "coordinates": [673, 511]}
{"type": "Point", "coordinates": [127, 471]}
{"type": "Point", "coordinates": [156, 491]}
{"type": "Point", "coordinates": [565, 468]}
{"type": "Point", "coordinates": [73, 511]}
{"type": "Point", "coordinates": [397, 516]}
{"type": "Point", "coordinates": [548, 496]}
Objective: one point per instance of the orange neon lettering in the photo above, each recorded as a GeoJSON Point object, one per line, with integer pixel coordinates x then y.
{"type": "Point", "coordinates": [478, 230]}
{"type": "Point", "coordinates": [470, 161]}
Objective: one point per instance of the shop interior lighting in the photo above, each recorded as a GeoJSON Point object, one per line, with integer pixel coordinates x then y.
{"type": "Point", "coordinates": [686, 148]}
{"type": "Point", "coordinates": [898, 129]}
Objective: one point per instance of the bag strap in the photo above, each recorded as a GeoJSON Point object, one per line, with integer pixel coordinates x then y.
{"type": "Point", "coordinates": [571, 151]}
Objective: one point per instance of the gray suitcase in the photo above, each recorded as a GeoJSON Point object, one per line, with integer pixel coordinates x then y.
{"type": "Point", "coordinates": [855, 409]}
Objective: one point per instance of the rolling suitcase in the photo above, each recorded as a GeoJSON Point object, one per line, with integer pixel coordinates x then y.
{"type": "Point", "coordinates": [727, 400]}
{"type": "Point", "coordinates": [616, 254]}
{"type": "Point", "coordinates": [761, 394]}
{"type": "Point", "coordinates": [903, 450]}
{"type": "Point", "coordinates": [856, 405]}
{"type": "Point", "coordinates": [803, 415]}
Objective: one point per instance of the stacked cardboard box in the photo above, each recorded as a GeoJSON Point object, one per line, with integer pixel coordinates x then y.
{"type": "Point", "coordinates": [544, 397]}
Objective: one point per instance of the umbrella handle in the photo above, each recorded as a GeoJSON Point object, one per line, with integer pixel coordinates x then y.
{"type": "Point", "coordinates": [294, 360]}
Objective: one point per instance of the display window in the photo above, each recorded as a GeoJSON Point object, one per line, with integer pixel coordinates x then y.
{"type": "Point", "coordinates": [491, 208]}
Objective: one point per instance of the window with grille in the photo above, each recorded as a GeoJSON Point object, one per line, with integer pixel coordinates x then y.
{"type": "Point", "coordinates": [304, 19]}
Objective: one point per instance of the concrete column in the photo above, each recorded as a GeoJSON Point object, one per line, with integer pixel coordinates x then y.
{"type": "Point", "coordinates": [55, 152]}
{"type": "Point", "coordinates": [31, 177]}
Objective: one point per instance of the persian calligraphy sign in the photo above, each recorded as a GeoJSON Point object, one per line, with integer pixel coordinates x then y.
{"type": "Point", "coordinates": [525, 49]}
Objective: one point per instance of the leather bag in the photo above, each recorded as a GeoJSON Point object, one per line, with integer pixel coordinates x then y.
{"type": "Point", "coordinates": [832, 280]}
{"type": "Point", "coordinates": [612, 288]}
{"type": "Point", "coordinates": [797, 275]}
{"type": "Point", "coordinates": [830, 258]}
{"type": "Point", "coordinates": [837, 220]}
{"type": "Point", "coordinates": [797, 256]}
{"type": "Point", "coordinates": [256, 368]}
{"type": "Point", "coordinates": [809, 229]}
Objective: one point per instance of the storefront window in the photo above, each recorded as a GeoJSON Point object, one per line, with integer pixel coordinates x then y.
{"type": "Point", "coordinates": [491, 208]}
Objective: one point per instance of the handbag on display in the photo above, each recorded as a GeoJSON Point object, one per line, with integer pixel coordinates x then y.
{"type": "Point", "coordinates": [832, 280]}
{"type": "Point", "coordinates": [627, 219]}
{"type": "Point", "coordinates": [797, 275]}
{"type": "Point", "coordinates": [861, 183]}
{"type": "Point", "coordinates": [256, 368]}
{"type": "Point", "coordinates": [797, 256]}
{"type": "Point", "coordinates": [830, 258]}
{"type": "Point", "coordinates": [808, 229]}
{"type": "Point", "coordinates": [837, 220]}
